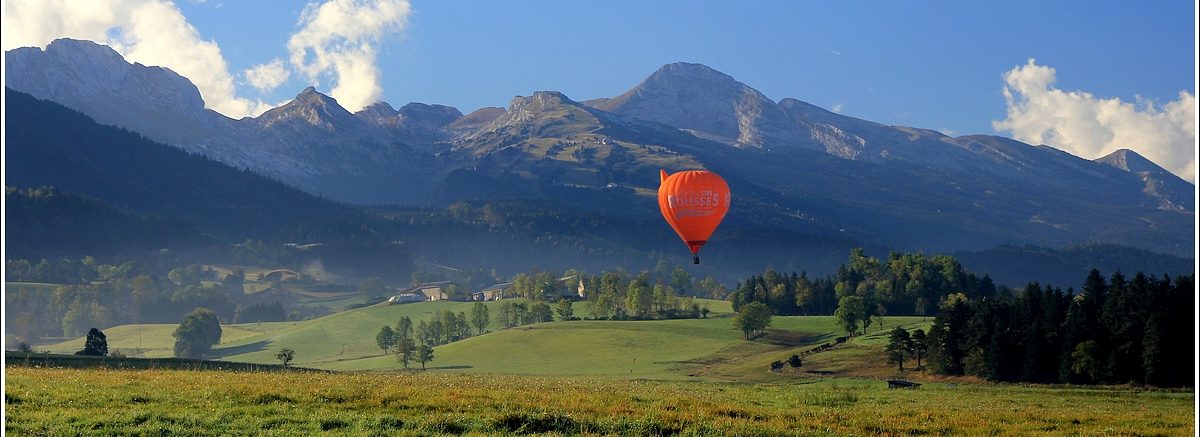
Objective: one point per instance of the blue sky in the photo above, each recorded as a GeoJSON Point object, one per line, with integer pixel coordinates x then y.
{"type": "Point", "coordinates": [1108, 74]}
{"type": "Point", "coordinates": [928, 64]}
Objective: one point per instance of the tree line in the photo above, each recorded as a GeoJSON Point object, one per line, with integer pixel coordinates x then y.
{"type": "Point", "coordinates": [1114, 331]}
{"type": "Point", "coordinates": [415, 343]}
{"type": "Point", "coordinates": [901, 284]}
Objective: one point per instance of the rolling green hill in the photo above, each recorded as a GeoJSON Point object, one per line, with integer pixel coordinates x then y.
{"type": "Point", "coordinates": [653, 349]}
{"type": "Point", "coordinates": [155, 340]}
{"type": "Point", "coordinates": [661, 349]}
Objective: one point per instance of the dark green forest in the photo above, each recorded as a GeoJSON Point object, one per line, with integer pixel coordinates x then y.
{"type": "Point", "coordinates": [1118, 330]}
{"type": "Point", "coordinates": [901, 284]}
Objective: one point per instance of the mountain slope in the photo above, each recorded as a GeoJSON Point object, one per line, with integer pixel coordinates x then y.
{"type": "Point", "coordinates": [310, 142]}
{"type": "Point", "coordinates": [911, 187]}
{"type": "Point", "coordinates": [1173, 193]}
{"type": "Point", "coordinates": [793, 166]}
{"type": "Point", "coordinates": [49, 224]}
{"type": "Point", "coordinates": [707, 102]}
{"type": "Point", "coordinates": [1016, 266]}
{"type": "Point", "coordinates": [96, 80]}
{"type": "Point", "coordinates": [49, 145]}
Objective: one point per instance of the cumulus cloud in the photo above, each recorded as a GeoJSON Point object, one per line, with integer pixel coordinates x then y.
{"type": "Point", "coordinates": [338, 39]}
{"type": "Point", "coordinates": [152, 32]}
{"type": "Point", "coordinates": [266, 77]}
{"type": "Point", "coordinates": [837, 108]}
{"type": "Point", "coordinates": [1091, 127]}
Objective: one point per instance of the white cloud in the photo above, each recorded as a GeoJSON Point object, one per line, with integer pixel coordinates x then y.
{"type": "Point", "coordinates": [266, 77]}
{"type": "Point", "coordinates": [837, 108]}
{"type": "Point", "coordinates": [338, 39]}
{"type": "Point", "coordinates": [1091, 127]}
{"type": "Point", "coordinates": [152, 32]}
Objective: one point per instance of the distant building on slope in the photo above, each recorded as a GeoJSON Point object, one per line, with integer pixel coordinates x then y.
{"type": "Point", "coordinates": [493, 292]}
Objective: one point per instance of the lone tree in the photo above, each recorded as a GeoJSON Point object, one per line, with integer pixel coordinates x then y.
{"type": "Point", "coordinates": [849, 313]}
{"type": "Point", "coordinates": [285, 356]}
{"type": "Point", "coordinates": [385, 338]}
{"type": "Point", "coordinates": [96, 344]}
{"type": "Point", "coordinates": [424, 354]}
{"type": "Point", "coordinates": [479, 317]}
{"type": "Point", "coordinates": [898, 347]}
{"type": "Point", "coordinates": [197, 333]}
{"type": "Point", "coordinates": [752, 319]}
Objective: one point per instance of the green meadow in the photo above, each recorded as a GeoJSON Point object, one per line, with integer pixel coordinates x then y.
{"type": "Point", "coordinates": [652, 349]}
{"type": "Point", "coordinates": [659, 377]}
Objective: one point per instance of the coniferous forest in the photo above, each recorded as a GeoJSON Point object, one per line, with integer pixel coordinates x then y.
{"type": "Point", "coordinates": [1115, 331]}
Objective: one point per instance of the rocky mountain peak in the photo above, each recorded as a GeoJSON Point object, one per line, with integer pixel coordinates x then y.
{"type": "Point", "coordinates": [440, 115]}
{"type": "Point", "coordinates": [1130, 161]}
{"type": "Point", "coordinates": [1172, 192]}
{"type": "Point", "coordinates": [311, 96]}
{"type": "Point", "coordinates": [687, 73]}
{"type": "Point", "coordinates": [380, 114]}
{"type": "Point", "coordinates": [94, 78]}
{"type": "Point", "coordinates": [706, 102]}
{"type": "Point", "coordinates": [543, 108]}
{"type": "Point", "coordinates": [540, 100]}
{"type": "Point", "coordinates": [312, 108]}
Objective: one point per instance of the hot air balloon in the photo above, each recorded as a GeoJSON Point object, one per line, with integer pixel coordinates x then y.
{"type": "Point", "coordinates": [693, 202]}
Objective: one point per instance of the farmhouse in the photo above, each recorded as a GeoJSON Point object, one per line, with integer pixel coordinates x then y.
{"type": "Point", "coordinates": [435, 290]}
{"type": "Point", "coordinates": [493, 292]}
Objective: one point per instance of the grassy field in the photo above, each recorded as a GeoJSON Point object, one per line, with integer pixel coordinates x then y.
{"type": "Point", "coordinates": [665, 349]}
{"type": "Point", "coordinates": [324, 342]}
{"type": "Point", "coordinates": [155, 340]}
{"type": "Point", "coordinates": [109, 402]}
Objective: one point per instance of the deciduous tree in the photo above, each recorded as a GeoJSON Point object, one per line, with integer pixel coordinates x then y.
{"type": "Point", "coordinates": [479, 317]}
{"type": "Point", "coordinates": [196, 335]}
{"type": "Point", "coordinates": [752, 319]}
{"type": "Point", "coordinates": [95, 345]}
{"type": "Point", "coordinates": [386, 338]}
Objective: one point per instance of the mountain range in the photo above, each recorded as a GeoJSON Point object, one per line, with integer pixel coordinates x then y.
{"type": "Point", "coordinates": [792, 166]}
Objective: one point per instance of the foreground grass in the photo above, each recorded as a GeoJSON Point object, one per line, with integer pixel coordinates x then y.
{"type": "Point", "coordinates": [107, 402]}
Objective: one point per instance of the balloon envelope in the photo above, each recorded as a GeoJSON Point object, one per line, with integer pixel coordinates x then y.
{"type": "Point", "coordinates": [693, 202]}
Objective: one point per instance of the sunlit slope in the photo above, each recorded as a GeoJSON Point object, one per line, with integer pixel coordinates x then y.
{"type": "Point", "coordinates": [653, 349]}
{"type": "Point", "coordinates": [604, 348]}
{"type": "Point", "coordinates": [341, 336]}
{"type": "Point", "coordinates": [666, 349]}
{"type": "Point", "coordinates": [155, 340]}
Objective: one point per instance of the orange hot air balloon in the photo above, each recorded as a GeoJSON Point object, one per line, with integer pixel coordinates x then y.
{"type": "Point", "coordinates": [693, 202]}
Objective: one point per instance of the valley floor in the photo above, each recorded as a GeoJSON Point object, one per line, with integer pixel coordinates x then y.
{"type": "Point", "coordinates": [109, 402]}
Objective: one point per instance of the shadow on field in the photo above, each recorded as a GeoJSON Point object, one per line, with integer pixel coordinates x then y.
{"type": "Point", "coordinates": [792, 339]}
{"type": "Point", "coordinates": [453, 367]}
{"type": "Point", "coordinates": [243, 349]}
